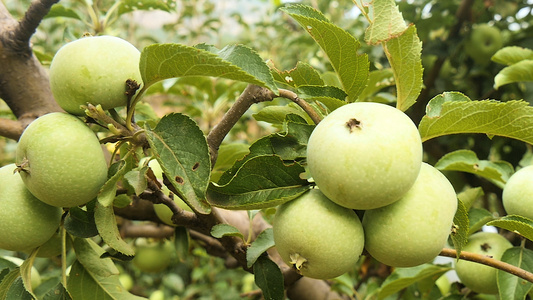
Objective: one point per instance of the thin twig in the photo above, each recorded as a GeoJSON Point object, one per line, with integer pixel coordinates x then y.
{"type": "Point", "coordinates": [302, 103]}
{"type": "Point", "coordinates": [489, 261]}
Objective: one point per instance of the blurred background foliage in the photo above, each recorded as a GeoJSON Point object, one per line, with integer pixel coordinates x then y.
{"type": "Point", "coordinates": [260, 25]}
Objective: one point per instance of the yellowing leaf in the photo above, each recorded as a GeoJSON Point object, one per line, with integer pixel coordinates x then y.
{"type": "Point", "coordinates": [386, 22]}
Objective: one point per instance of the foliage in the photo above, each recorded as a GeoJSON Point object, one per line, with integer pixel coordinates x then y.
{"type": "Point", "coordinates": [475, 121]}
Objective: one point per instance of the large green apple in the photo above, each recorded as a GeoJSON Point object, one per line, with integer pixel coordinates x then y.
{"type": "Point", "coordinates": [517, 194]}
{"type": "Point", "coordinates": [93, 70]}
{"type": "Point", "coordinates": [480, 278]}
{"type": "Point", "coordinates": [319, 238]}
{"type": "Point", "coordinates": [484, 40]}
{"type": "Point", "coordinates": [161, 210]}
{"type": "Point", "coordinates": [414, 229]}
{"type": "Point", "coordinates": [365, 155]}
{"type": "Point", "coordinates": [61, 160]}
{"type": "Point", "coordinates": [26, 222]}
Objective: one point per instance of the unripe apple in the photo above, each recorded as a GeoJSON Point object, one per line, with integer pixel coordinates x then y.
{"type": "Point", "coordinates": [364, 155]}
{"type": "Point", "coordinates": [477, 277]}
{"type": "Point", "coordinates": [484, 40]}
{"type": "Point", "coordinates": [26, 222]}
{"type": "Point", "coordinates": [93, 70]}
{"type": "Point", "coordinates": [319, 238]}
{"type": "Point", "coordinates": [61, 160]}
{"type": "Point", "coordinates": [517, 194]}
{"type": "Point", "coordinates": [414, 229]}
{"type": "Point", "coordinates": [153, 257]}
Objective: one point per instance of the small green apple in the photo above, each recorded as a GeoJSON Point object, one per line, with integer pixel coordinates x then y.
{"type": "Point", "coordinates": [484, 40]}
{"type": "Point", "coordinates": [414, 229]}
{"type": "Point", "coordinates": [364, 155]}
{"type": "Point", "coordinates": [52, 247]}
{"type": "Point", "coordinates": [26, 222]}
{"type": "Point", "coordinates": [161, 210]}
{"type": "Point", "coordinates": [153, 257]}
{"type": "Point", "coordinates": [61, 160]}
{"type": "Point", "coordinates": [93, 70]}
{"type": "Point", "coordinates": [517, 194]}
{"type": "Point", "coordinates": [477, 277]}
{"type": "Point", "coordinates": [319, 238]}
{"type": "Point", "coordinates": [126, 281]}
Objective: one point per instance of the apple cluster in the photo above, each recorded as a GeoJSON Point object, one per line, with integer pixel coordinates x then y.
{"type": "Point", "coordinates": [59, 160]}
{"type": "Point", "coordinates": [365, 157]}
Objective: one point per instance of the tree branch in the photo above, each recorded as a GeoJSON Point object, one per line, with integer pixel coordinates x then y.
{"type": "Point", "coordinates": [10, 128]}
{"type": "Point", "coordinates": [489, 261]}
{"type": "Point", "coordinates": [302, 103]}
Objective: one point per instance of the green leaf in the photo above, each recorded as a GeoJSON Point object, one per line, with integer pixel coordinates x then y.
{"type": "Point", "coordinates": [163, 61]}
{"type": "Point", "coordinates": [25, 272]}
{"type": "Point", "coordinates": [309, 92]}
{"type": "Point", "coordinates": [477, 217]}
{"type": "Point", "coordinates": [89, 254]}
{"type": "Point", "coordinates": [386, 22]}
{"type": "Point", "coordinates": [521, 71]}
{"type": "Point", "coordinates": [106, 224]}
{"type": "Point", "coordinates": [58, 10]}
{"type": "Point", "coordinates": [221, 230]}
{"type": "Point", "coordinates": [511, 55]}
{"type": "Point", "coordinates": [377, 80]}
{"type": "Point", "coordinates": [262, 181]}
{"type": "Point", "coordinates": [263, 242]}
{"type": "Point", "coordinates": [80, 223]}
{"type": "Point", "coordinates": [404, 277]}
{"type": "Point", "coordinates": [181, 149]}
{"type": "Point", "coordinates": [460, 227]}
{"type": "Point", "coordinates": [497, 172]}
{"type": "Point", "coordinates": [276, 114]}
{"type": "Point", "coordinates": [339, 46]}
{"type": "Point", "coordinates": [136, 180]}
{"type": "Point", "coordinates": [290, 145]}
{"type": "Point", "coordinates": [302, 74]}
{"type": "Point", "coordinates": [57, 293]}
{"type": "Point", "coordinates": [127, 6]}
{"type": "Point", "coordinates": [109, 189]}
{"type": "Point", "coordinates": [404, 57]}
{"type": "Point", "coordinates": [269, 278]}
{"type": "Point", "coordinates": [509, 285]}
{"type": "Point", "coordinates": [85, 285]}
{"type": "Point", "coordinates": [453, 113]}
{"type": "Point", "coordinates": [521, 225]}
{"type": "Point", "coordinates": [15, 288]}
{"type": "Point", "coordinates": [181, 242]}
{"type": "Point", "coordinates": [470, 195]}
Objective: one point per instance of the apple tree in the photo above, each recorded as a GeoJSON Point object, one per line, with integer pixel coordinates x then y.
{"type": "Point", "coordinates": [321, 150]}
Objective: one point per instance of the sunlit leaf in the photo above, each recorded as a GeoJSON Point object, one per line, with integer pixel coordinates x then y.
{"type": "Point", "coordinates": [453, 113]}
{"type": "Point", "coordinates": [339, 46]}
{"type": "Point", "coordinates": [403, 53]}
{"type": "Point", "coordinates": [163, 61]}
{"type": "Point", "coordinates": [477, 218]}
{"type": "Point", "coordinates": [497, 172]}
{"type": "Point", "coordinates": [58, 10]}
{"type": "Point", "coordinates": [133, 5]}
{"type": "Point", "coordinates": [377, 80]}
{"type": "Point", "coordinates": [302, 74]}
{"type": "Point", "coordinates": [469, 195]}
{"type": "Point", "coordinates": [386, 22]}
{"type": "Point", "coordinates": [221, 230]}
{"type": "Point", "coordinates": [521, 225]}
{"type": "Point", "coordinates": [511, 55]}
{"type": "Point", "coordinates": [518, 72]}
{"type": "Point", "coordinates": [460, 227]}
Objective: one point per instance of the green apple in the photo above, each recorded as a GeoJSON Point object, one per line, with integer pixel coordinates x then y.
{"type": "Point", "coordinates": [53, 246]}
{"type": "Point", "coordinates": [126, 281]}
{"type": "Point", "coordinates": [365, 155]}
{"type": "Point", "coordinates": [478, 277]}
{"type": "Point", "coordinates": [484, 40]}
{"type": "Point", "coordinates": [517, 194]}
{"type": "Point", "coordinates": [413, 230]}
{"type": "Point", "coordinates": [319, 238]}
{"type": "Point", "coordinates": [61, 160]}
{"type": "Point", "coordinates": [93, 70]}
{"type": "Point", "coordinates": [153, 257]}
{"type": "Point", "coordinates": [161, 210]}
{"type": "Point", "coordinates": [26, 222]}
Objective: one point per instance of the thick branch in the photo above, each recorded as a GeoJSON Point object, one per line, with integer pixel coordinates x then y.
{"type": "Point", "coordinates": [10, 128]}
{"type": "Point", "coordinates": [489, 261]}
